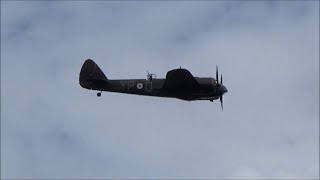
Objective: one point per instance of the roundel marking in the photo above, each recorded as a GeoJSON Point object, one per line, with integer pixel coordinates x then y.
{"type": "Point", "coordinates": [139, 85]}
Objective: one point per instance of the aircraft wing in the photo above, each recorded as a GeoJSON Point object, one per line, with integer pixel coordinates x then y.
{"type": "Point", "coordinates": [178, 80]}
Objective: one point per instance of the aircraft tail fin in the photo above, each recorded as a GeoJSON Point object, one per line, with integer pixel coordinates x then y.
{"type": "Point", "coordinates": [91, 76]}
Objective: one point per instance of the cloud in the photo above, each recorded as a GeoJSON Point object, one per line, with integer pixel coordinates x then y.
{"type": "Point", "coordinates": [268, 53]}
{"type": "Point", "coordinates": [245, 173]}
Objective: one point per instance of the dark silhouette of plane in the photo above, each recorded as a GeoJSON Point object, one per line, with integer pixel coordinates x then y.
{"type": "Point", "coordinates": [179, 83]}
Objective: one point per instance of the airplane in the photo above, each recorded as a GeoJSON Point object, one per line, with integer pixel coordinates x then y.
{"type": "Point", "coordinates": [179, 83]}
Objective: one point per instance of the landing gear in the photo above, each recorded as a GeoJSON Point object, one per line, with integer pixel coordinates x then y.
{"type": "Point", "coordinates": [99, 94]}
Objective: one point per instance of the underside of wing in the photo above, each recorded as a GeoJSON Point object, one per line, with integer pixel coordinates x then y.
{"type": "Point", "coordinates": [180, 80]}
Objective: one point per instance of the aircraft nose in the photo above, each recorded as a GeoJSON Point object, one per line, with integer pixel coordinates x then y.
{"type": "Point", "coordinates": [225, 89]}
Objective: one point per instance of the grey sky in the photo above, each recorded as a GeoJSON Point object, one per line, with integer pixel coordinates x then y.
{"type": "Point", "coordinates": [268, 53]}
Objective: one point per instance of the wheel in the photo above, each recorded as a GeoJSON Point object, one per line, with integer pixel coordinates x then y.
{"type": "Point", "coordinates": [99, 94]}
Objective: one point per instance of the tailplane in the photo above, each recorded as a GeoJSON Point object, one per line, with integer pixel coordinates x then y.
{"type": "Point", "coordinates": [91, 76]}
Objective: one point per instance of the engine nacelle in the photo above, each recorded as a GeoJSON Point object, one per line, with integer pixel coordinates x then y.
{"type": "Point", "coordinates": [207, 82]}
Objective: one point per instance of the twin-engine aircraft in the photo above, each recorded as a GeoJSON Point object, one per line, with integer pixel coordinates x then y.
{"type": "Point", "coordinates": [179, 83]}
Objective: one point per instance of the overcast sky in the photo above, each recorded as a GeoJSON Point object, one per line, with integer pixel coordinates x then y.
{"type": "Point", "coordinates": [268, 53]}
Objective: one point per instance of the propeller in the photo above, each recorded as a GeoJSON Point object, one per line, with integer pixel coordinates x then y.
{"type": "Point", "coordinates": [221, 101]}
{"type": "Point", "coordinates": [217, 75]}
{"type": "Point", "coordinates": [219, 84]}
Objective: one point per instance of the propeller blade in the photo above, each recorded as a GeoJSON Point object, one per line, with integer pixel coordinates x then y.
{"type": "Point", "coordinates": [221, 79]}
{"type": "Point", "coordinates": [217, 75]}
{"type": "Point", "coordinates": [221, 101]}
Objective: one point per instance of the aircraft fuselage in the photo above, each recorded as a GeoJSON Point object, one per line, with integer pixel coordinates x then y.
{"type": "Point", "coordinates": [154, 88]}
{"type": "Point", "coordinates": [179, 83]}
